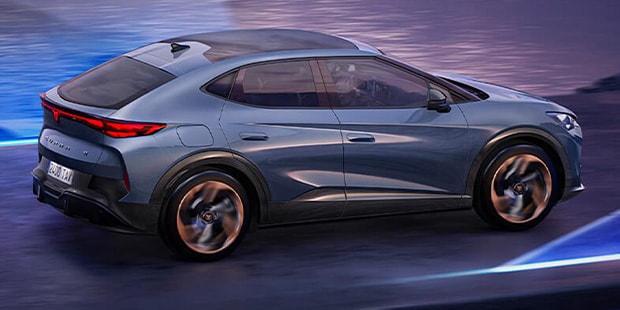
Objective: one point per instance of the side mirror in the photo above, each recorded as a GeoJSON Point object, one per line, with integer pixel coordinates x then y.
{"type": "Point", "coordinates": [437, 101]}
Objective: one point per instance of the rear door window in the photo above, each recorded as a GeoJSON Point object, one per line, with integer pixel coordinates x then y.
{"type": "Point", "coordinates": [114, 84]}
{"type": "Point", "coordinates": [284, 84]}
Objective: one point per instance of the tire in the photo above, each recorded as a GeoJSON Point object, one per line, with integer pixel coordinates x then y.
{"type": "Point", "coordinates": [206, 216]}
{"type": "Point", "coordinates": [517, 188]}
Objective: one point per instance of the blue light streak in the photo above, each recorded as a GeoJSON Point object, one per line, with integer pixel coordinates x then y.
{"type": "Point", "coordinates": [597, 239]}
{"type": "Point", "coordinates": [499, 270]}
{"type": "Point", "coordinates": [562, 248]}
{"type": "Point", "coordinates": [556, 264]}
{"type": "Point", "coordinates": [19, 142]}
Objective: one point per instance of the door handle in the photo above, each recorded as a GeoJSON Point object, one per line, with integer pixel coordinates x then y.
{"type": "Point", "coordinates": [360, 137]}
{"type": "Point", "coordinates": [254, 136]}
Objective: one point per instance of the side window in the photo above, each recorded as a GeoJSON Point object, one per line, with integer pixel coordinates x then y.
{"type": "Point", "coordinates": [371, 83]}
{"type": "Point", "coordinates": [285, 84]}
{"type": "Point", "coordinates": [221, 86]}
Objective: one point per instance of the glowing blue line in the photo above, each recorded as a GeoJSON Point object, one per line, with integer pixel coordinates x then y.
{"type": "Point", "coordinates": [557, 263]}
{"type": "Point", "coordinates": [546, 247]}
{"type": "Point", "coordinates": [437, 276]}
{"type": "Point", "coordinates": [501, 269]}
{"type": "Point", "coordinates": [517, 264]}
{"type": "Point", "coordinates": [19, 142]}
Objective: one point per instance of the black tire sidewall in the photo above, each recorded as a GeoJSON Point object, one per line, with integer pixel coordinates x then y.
{"type": "Point", "coordinates": [168, 222]}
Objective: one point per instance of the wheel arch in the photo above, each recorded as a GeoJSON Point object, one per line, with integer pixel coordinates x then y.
{"type": "Point", "coordinates": [237, 166]}
{"type": "Point", "coordinates": [514, 136]}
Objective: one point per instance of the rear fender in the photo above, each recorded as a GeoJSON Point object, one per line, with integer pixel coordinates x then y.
{"type": "Point", "coordinates": [235, 164]}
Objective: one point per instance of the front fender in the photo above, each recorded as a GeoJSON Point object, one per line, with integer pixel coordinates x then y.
{"type": "Point", "coordinates": [512, 136]}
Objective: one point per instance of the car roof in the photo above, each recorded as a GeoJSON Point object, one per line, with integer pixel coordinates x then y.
{"type": "Point", "coordinates": [217, 51]}
{"type": "Point", "coordinates": [236, 43]}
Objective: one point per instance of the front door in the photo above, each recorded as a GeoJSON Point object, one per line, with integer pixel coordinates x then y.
{"type": "Point", "coordinates": [398, 155]}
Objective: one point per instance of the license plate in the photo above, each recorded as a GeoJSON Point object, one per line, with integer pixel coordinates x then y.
{"type": "Point", "coordinates": [60, 173]}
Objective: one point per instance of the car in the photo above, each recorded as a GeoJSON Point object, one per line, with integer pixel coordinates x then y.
{"type": "Point", "coordinates": [202, 138]}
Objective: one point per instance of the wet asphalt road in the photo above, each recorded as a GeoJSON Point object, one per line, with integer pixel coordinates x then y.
{"type": "Point", "coordinates": [49, 260]}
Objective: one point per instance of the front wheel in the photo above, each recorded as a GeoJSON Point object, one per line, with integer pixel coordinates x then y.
{"type": "Point", "coordinates": [206, 216]}
{"type": "Point", "coordinates": [517, 188]}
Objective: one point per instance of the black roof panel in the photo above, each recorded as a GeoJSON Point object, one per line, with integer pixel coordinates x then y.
{"type": "Point", "coordinates": [235, 43]}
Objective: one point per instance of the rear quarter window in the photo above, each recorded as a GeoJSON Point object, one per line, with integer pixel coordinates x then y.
{"type": "Point", "coordinates": [114, 84]}
{"type": "Point", "coordinates": [221, 86]}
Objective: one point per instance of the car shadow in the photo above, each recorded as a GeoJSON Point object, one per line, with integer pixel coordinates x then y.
{"type": "Point", "coordinates": [91, 246]}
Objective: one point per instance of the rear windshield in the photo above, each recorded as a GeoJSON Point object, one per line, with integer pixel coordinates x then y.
{"type": "Point", "coordinates": [114, 84]}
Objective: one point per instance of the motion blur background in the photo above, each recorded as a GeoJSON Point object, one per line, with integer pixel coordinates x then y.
{"type": "Point", "coordinates": [546, 47]}
{"type": "Point", "coordinates": [549, 48]}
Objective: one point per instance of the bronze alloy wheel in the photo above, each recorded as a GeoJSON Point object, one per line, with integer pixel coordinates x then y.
{"type": "Point", "coordinates": [209, 217]}
{"type": "Point", "coordinates": [206, 217]}
{"type": "Point", "coordinates": [521, 188]}
{"type": "Point", "coordinates": [517, 189]}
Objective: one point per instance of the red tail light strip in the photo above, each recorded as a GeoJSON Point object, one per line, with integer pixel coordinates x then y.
{"type": "Point", "coordinates": [110, 127]}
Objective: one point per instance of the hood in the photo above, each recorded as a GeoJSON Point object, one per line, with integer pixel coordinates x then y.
{"type": "Point", "coordinates": [494, 91]}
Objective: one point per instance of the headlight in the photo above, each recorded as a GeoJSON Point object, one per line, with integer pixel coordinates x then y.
{"type": "Point", "coordinates": [567, 121]}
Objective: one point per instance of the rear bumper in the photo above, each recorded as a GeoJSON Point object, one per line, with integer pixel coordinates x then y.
{"type": "Point", "coordinates": [78, 206]}
{"type": "Point", "coordinates": [96, 203]}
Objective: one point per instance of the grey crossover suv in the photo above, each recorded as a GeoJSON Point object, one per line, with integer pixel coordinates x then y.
{"type": "Point", "coordinates": [203, 137]}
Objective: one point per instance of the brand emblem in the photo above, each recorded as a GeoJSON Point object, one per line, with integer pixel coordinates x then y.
{"type": "Point", "coordinates": [56, 143]}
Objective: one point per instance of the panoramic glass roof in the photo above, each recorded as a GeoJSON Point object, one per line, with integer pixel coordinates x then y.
{"type": "Point", "coordinates": [235, 43]}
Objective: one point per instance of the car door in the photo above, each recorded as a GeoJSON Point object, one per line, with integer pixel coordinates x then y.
{"type": "Point", "coordinates": [399, 156]}
{"type": "Point", "coordinates": [278, 120]}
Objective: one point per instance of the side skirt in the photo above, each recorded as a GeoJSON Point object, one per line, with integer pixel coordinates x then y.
{"type": "Point", "coordinates": [360, 204]}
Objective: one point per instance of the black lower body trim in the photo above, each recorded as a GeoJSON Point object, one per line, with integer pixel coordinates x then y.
{"type": "Point", "coordinates": [77, 206]}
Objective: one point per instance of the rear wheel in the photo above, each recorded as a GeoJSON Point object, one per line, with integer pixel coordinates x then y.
{"type": "Point", "coordinates": [206, 216]}
{"type": "Point", "coordinates": [517, 188]}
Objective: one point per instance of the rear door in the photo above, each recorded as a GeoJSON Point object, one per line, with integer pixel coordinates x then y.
{"type": "Point", "coordinates": [279, 119]}
{"type": "Point", "coordinates": [398, 155]}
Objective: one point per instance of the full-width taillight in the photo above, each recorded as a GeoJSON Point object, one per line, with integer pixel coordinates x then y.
{"type": "Point", "coordinates": [110, 127]}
